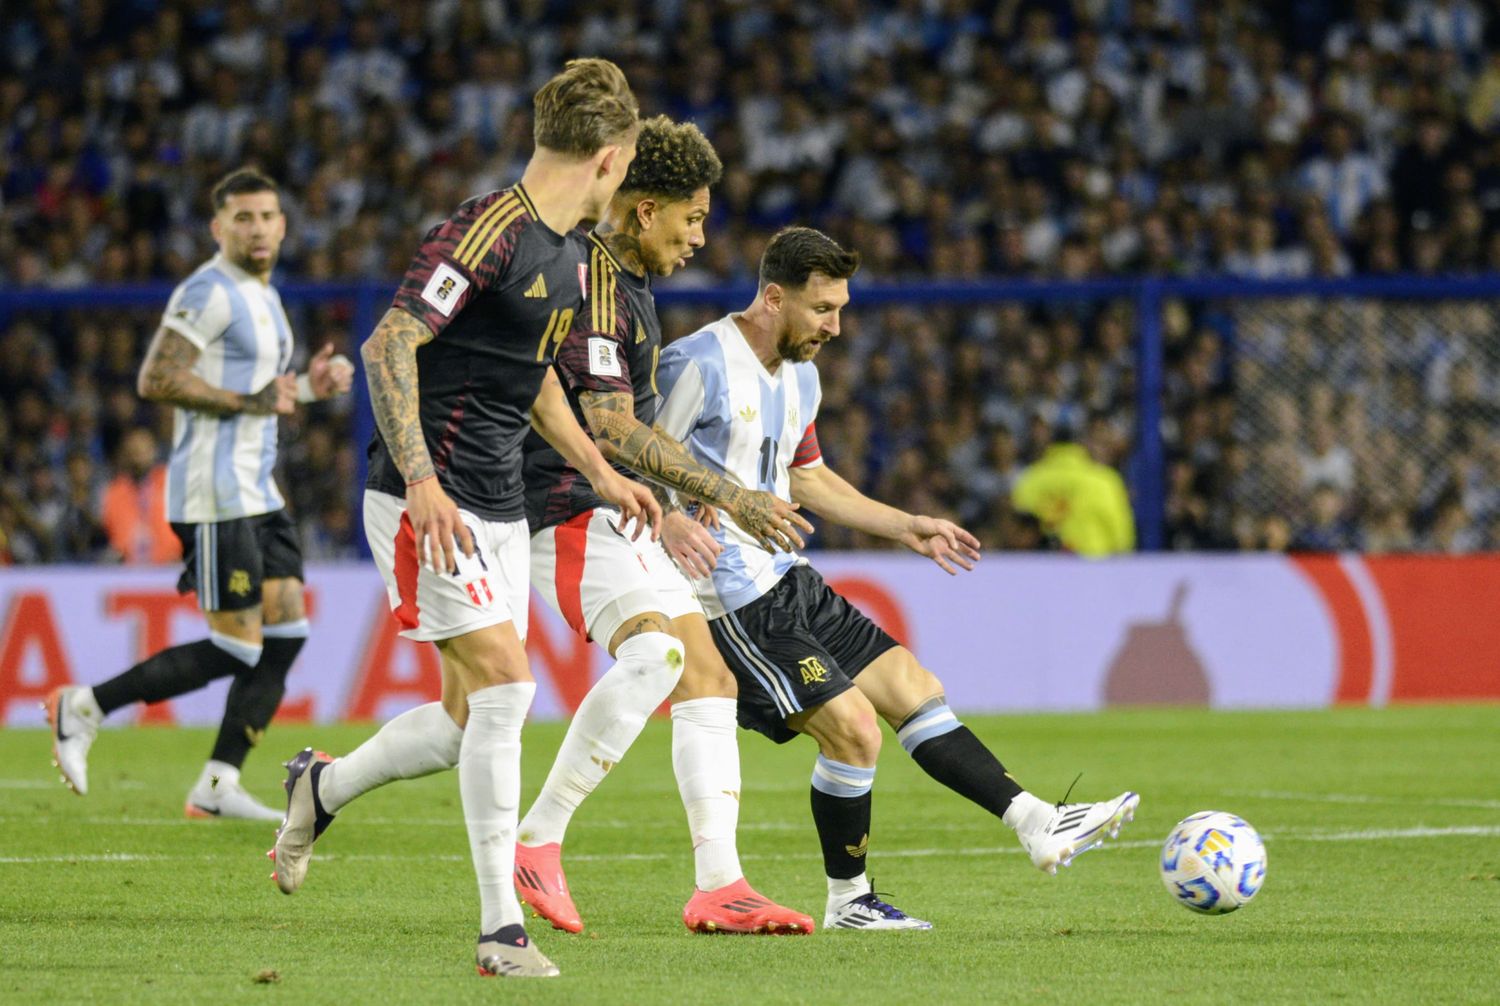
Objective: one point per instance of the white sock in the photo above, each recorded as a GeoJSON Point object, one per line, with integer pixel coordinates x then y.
{"type": "Point", "coordinates": [706, 760]}
{"type": "Point", "coordinates": [419, 742]}
{"type": "Point", "coordinates": [608, 721]}
{"type": "Point", "coordinates": [489, 783]}
{"type": "Point", "coordinates": [1026, 812]}
{"type": "Point", "coordinates": [217, 773]}
{"type": "Point", "coordinates": [841, 892]}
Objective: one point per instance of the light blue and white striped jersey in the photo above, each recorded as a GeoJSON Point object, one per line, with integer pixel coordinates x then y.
{"type": "Point", "coordinates": [221, 466]}
{"type": "Point", "coordinates": [737, 418]}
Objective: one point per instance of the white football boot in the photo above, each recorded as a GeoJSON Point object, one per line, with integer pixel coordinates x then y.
{"type": "Point", "coordinates": [220, 796]}
{"type": "Point", "coordinates": [74, 717]}
{"type": "Point", "coordinates": [1071, 829]}
{"type": "Point", "coordinates": [868, 912]}
{"type": "Point", "coordinates": [508, 953]}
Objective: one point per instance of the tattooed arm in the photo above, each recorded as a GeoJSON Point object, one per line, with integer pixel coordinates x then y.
{"type": "Point", "coordinates": [167, 376]}
{"type": "Point", "coordinates": [651, 452]}
{"type": "Point", "coordinates": [390, 355]}
{"type": "Point", "coordinates": [552, 417]}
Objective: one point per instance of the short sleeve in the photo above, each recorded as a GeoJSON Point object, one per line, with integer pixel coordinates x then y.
{"type": "Point", "coordinates": [198, 310]}
{"type": "Point", "coordinates": [593, 355]}
{"type": "Point", "coordinates": [809, 454]}
{"type": "Point", "coordinates": [459, 258]}
{"type": "Point", "coordinates": [680, 383]}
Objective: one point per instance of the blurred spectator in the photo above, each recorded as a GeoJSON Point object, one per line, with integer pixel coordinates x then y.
{"type": "Point", "coordinates": [134, 507]}
{"type": "Point", "coordinates": [1077, 499]}
{"type": "Point", "coordinates": [943, 140]}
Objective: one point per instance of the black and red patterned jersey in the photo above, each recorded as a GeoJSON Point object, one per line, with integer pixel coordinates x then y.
{"type": "Point", "coordinates": [500, 290]}
{"type": "Point", "coordinates": [614, 345]}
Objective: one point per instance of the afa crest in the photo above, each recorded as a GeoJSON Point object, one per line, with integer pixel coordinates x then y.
{"type": "Point", "coordinates": [813, 671]}
{"type": "Point", "coordinates": [239, 582]}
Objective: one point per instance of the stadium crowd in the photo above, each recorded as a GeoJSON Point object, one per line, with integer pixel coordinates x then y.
{"type": "Point", "coordinates": [949, 139]}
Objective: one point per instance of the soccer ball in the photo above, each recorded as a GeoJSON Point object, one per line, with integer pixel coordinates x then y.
{"type": "Point", "coordinates": [1213, 862]}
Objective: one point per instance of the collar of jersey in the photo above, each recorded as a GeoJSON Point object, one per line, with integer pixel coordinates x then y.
{"type": "Point", "coordinates": [619, 267]}
{"type": "Point", "coordinates": [742, 345]}
{"type": "Point", "coordinates": [233, 271]}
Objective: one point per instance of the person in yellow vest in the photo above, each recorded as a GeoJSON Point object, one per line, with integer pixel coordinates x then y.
{"type": "Point", "coordinates": [1079, 500]}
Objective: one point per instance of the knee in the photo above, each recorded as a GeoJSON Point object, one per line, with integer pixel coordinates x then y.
{"type": "Point", "coordinates": [495, 665]}
{"type": "Point", "coordinates": [853, 736]}
{"type": "Point", "coordinates": [657, 654]}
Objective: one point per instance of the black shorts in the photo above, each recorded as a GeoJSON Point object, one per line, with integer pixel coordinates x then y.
{"type": "Point", "coordinates": [794, 648]}
{"type": "Point", "coordinates": [227, 562]}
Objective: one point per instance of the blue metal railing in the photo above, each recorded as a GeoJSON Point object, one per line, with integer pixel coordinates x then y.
{"type": "Point", "coordinates": [368, 298]}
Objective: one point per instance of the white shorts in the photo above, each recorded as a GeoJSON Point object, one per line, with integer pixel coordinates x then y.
{"type": "Point", "coordinates": [490, 586]}
{"type": "Point", "coordinates": [596, 578]}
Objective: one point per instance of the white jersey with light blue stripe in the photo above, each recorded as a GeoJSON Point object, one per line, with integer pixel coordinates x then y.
{"type": "Point", "coordinates": [737, 418]}
{"type": "Point", "coordinates": [221, 466]}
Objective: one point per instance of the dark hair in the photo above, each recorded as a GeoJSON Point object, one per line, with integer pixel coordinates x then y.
{"type": "Point", "coordinates": [584, 109]}
{"type": "Point", "coordinates": [672, 161]}
{"type": "Point", "coordinates": [239, 182]}
{"type": "Point", "coordinates": [795, 253]}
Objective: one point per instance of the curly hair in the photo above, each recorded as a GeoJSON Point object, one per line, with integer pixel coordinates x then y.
{"type": "Point", "coordinates": [672, 161]}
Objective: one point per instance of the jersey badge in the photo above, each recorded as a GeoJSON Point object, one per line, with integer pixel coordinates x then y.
{"type": "Point", "coordinates": [791, 416]}
{"type": "Point", "coordinates": [538, 288]}
{"type": "Point", "coordinates": [444, 290]}
{"type": "Point", "coordinates": [813, 671]}
{"type": "Point", "coordinates": [604, 361]}
{"type": "Point", "coordinates": [748, 414]}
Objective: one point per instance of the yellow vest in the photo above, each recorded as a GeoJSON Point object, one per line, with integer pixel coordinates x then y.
{"type": "Point", "coordinates": [1079, 500]}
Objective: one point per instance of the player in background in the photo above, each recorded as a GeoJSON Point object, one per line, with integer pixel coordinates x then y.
{"type": "Point", "coordinates": [743, 395]}
{"type": "Point", "coordinates": [221, 357]}
{"type": "Point", "coordinates": [459, 370]}
{"type": "Point", "coordinates": [627, 595]}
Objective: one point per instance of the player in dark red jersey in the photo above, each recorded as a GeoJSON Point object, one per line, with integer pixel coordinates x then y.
{"type": "Point", "coordinates": [459, 370]}
{"type": "Point", "coordinates": [627, 595]}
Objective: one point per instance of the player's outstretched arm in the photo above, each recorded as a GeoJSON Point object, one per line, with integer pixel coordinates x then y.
{"type": "Point", "coordinates": [651, 452]}
{"type": "Point", "coordinates": [828, 494]}
{"type": "Point", "coordinates": [167, 376]}
{"type": "Point", "coordinates": [390, 355]}
{"type": "Point", "coordinates": [552, 417]}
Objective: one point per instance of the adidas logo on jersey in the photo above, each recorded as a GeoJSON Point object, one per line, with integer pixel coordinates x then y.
{"type": "Point", "coordinates": [538, 287]}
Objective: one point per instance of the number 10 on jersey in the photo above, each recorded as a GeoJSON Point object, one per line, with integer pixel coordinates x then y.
{"type": "Point", "coordinates": [557, 327]}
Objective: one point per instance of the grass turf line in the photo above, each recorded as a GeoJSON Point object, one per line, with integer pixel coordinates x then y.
{"type": "Point", "coordinates": [1389, 891]}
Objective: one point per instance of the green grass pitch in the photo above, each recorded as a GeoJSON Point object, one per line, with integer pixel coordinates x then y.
{"type": "Point", "coordinates": [1383, 831]}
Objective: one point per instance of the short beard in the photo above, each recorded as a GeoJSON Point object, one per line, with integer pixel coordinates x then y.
{"type": "Point", "coordinates": [247, 264]}
{"type": "Point", "coordinates": [794, 351]}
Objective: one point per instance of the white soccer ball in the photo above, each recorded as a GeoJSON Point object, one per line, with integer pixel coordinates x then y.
{"type": "Point", "coordinates": [1213, 862]}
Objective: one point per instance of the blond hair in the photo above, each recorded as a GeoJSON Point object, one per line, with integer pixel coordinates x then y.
{"type": "Point", "coordinates": [586, 107]}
